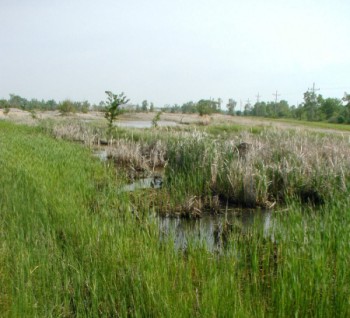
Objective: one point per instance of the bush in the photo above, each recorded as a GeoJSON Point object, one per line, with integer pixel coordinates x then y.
{"type": "Point", "coordinates": [66, 107]}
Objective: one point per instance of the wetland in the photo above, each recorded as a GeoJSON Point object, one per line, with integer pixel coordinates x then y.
{"type": "Point", "coordinates": [222, 219]}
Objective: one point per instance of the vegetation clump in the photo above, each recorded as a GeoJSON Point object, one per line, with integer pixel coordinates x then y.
{"type": "Point", "coordinates": [114, 101]}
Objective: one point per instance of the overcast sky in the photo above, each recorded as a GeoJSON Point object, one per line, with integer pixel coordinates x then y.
{"type": "Point", "coordinates": [174, 51]}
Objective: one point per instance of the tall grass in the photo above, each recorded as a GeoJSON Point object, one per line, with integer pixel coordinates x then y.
{"type": "Point", "coordinates": [72, 245]}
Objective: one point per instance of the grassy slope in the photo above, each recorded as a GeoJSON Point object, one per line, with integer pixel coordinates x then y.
{"type": "Point", "coordinates": [71, 247]}
{"type": "Point", "coordinates": [311, 124]}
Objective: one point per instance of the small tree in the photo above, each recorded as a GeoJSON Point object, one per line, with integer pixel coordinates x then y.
{"type": "Point", "coordinates": [112, 109]}
{"type": "Point", "coordinates": [156, 119]}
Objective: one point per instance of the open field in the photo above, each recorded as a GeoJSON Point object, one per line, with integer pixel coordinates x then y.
{"type": "Point", "coordinates": [73, 243]}
{"type": "Point", "coordinates": [25, 117]}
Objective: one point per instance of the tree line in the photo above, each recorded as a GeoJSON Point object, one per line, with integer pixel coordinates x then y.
{"type": "Point", "coordinates": [313, 108]}
{"type": "Point", "coordinates": [16, 101]}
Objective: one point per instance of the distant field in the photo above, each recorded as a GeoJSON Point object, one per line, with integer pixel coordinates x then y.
{"type": "Point", "coordinates": [25, 117]}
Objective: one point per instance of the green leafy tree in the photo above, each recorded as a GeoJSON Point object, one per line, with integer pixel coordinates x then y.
{"type": "Point", "coordinates": [151, 107]}
{"type": "Point", "coordinates": [112, 109]}
{"type": "Point", "coordinates": [282, 109]}
{"type": "Point", "coordinates": [312, 104]}
{"type": "Point", "coordinates": [247, 109]}
{"type": "Point", "coordinates": [189, 107]}
{"type": "Point", "coordinates": [259, 109]}
{"type": "Point", "coordinates": [330, 108]}
{"type": "Point", "coordinates": [156, 119]}
{"type": "Point", "coordinates": [346, 101]}
{"type": "Point", "coordinates": [4, 103]}
{"type": "Point", "coordinates": [17, 101]}
{"type": "Point", "coordinates": [206, 107]}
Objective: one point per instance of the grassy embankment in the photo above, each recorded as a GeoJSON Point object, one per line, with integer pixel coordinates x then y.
{"type": "Point", "coordinates": [311, 124]}
{"type": "Point", "coordinates": [72, 245]}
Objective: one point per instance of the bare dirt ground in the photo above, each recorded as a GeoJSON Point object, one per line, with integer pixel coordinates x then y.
{"type": "Point", "coordinates": [25, 117]}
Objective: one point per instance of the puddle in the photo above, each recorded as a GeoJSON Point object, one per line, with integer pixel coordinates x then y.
{"type": "Point", "coordinates": [209, 229]}
{"type": "Point", "coordinates": [100, 154]}
{"type": "Point", "coordinates": [144, 183]}
{"type": "Point", "coordinates": [144, 124]}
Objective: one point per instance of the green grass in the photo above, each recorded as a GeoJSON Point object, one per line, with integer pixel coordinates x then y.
{"type": "Point", "coordinates": [312, 124]}
{"type": "Point", "coordinates": [71, 246]}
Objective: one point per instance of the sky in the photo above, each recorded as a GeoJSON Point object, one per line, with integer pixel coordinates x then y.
{"type": "Point", "coordinates": [172, 52]}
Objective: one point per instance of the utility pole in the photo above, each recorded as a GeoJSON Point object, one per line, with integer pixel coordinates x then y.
{"type": "Point", "coordinates": [313, 91]}
{"type": "Point", "coordinates": [276, 96]}
{"type": "Point", "coordinates": [257, 98]}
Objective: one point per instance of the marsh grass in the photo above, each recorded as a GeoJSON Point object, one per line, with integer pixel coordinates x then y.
{"type": "Point", "coordinates": [244, 166]}
{"type": "Point", "coordinates": [72, 246]}
{"type": "Point", "coordinates": [274, 166]}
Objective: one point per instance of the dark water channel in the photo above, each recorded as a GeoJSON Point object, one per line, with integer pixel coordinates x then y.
{"type": "Point", "coordinates": [211, 230]}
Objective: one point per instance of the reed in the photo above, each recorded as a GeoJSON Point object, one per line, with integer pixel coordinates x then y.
{"type": "Point", "coordinates": [72, 245]}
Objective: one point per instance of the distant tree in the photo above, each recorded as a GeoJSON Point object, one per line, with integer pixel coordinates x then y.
{"type": "Point", "coordinates": [206, 107]}
{"type": "Point", "coordinates": [3, 103]}
{"type": "Point", "coordinates": [189, 107]}
{"type": "Point", "coordinates": [66, 107]}
{"type": "Point", "coordinates": [299, 112]}
{"type": "Point", "coordinates": [50, 104]}
{"type": "Point", "coordinates": [259, 109]}
{"type": "Point", "coordinates": [346, 101]}
{"type": "Point", "coordinates": [84, 107]}
{"type": "Point", "coordinates": [6, 109]}
{"type": "Point", "coordinates": [282, 109]}
{"type": "Point", "coordinates": [144, 106]}
{"type": "Point", "coordinates": [330, 108]}
{"type": "Point", "coordinates": [112, 109]}
{"type": "Point", "coordinates": [247, 109]}
{"type": "Point", "coordinates": [175, 108]}
{"type": "Point", "coordinates": [312, 104]}
{"type": "Point", "coordinates": [219, 103]}
{"type": "Point", "coordinates": [151, 107]}
{"type": "Point", "coordinates": [17, 101]}
{"type": "Point", "coordinates": [231, 105]}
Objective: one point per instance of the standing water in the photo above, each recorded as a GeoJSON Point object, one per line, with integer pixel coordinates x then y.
{"type": "Point", "coordinates": [209, 229]}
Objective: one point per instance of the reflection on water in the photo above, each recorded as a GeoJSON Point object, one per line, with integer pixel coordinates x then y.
{"type": "Point", "coordinates": [209, 229]}
{"type": "Point", "coordinates": [101, 154]}
{"type": "Point", "coordinates": [144, 183]}
{"type": "Point", "coordinates": [144, 124]}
